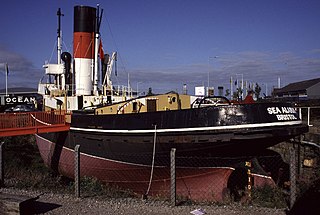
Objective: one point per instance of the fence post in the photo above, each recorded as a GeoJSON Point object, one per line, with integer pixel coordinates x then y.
{"type": "Point", "coordinates": [77, 170]}
{"type": "Point", "coordinates": [173, 176]}
{"type": "Point", "coordinates": [293, 176]}
{"type": "Point", "coordinates": [1, 165]}
{"type": "Point", "coordinates": [308, 116]}
{"type": "Point", "coordinates": [248, 164]}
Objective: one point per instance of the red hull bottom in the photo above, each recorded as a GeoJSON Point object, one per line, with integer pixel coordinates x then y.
{"type": "Point", "coordinates": [197, 184]}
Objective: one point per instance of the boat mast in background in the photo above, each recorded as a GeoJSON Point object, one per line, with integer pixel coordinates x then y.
{"type": "Point", "coordinates": [7, 73]}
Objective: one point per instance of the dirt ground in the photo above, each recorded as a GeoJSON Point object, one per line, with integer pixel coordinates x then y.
{"type": "Point", "coordinates": [52, 203]}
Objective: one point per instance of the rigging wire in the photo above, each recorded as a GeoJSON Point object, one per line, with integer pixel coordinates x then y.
{"type": "Point", "coordinates": [116, 46]}
{"type": "Point", "coordinates": [54, 48]}
{"type": "Point", "coordinates": [153, 155]}
{"type": "Point", "coordinates": [66, 47]}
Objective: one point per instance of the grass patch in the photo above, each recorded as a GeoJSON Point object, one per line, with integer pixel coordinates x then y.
{"type": "Point", "coordinates": [24, 169]}
{"type": "Point", "coordinates": [92, 187]}
{"type": "Point", "coordinates": [270, 197]}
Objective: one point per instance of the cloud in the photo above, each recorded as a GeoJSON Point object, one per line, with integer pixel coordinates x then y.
{"type": "Point", "coordinates": [314, 51]}
{"type": "Point", "coordinates": [22, 72]}
{"type": "Point", "coordinates": [266, 67]}
{"type": "Point", "coordinates": [263, 68]}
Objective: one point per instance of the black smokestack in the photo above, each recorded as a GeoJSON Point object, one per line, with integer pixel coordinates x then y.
{"type": "Point", "coordinates": [66, 57]}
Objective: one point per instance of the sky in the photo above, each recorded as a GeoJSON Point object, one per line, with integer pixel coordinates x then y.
{"type": "Point", "coordinates": [164, 44]}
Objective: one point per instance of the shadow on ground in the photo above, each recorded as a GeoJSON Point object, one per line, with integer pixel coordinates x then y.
{"type": "Point", "coordinates": [37, 207]}
{"type": "Point", "coordinates": [308, 202]}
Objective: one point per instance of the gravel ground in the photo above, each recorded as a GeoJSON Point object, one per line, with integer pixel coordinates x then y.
{"type": "Point", "coordinates": [52, 203]}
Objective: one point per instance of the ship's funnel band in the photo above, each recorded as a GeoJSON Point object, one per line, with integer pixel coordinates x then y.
{"type": "Point", "coordinates": [83, 45]}
{"type": "Point", "coordinates": [84, 19]}
{"type": "Point", "coordinates": [83, 48]}
{"type": "Point", "coordinates": [83, 76]}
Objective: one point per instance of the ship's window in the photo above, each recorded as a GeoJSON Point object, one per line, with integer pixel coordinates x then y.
{"type": "Point", "coordinates": [134, 106]}
{"type": "Point", "coordinates": [174, 99]}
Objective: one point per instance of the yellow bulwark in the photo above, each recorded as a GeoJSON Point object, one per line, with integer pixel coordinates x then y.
{"type": "Point", "coordinates": [163, 102]}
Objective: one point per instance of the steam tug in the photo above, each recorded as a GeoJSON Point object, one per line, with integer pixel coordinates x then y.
{"type": "Point", "coordinates": [126, 140]}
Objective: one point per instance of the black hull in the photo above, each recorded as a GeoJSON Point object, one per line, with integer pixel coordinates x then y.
{"type": "Point", "coordinates": [229, 131]}
{"type": "Point", "coordinates": [210, 144]}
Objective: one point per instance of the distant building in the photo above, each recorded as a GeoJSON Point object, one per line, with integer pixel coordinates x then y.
{"type": "Point", "coordinates": [303, 90]}
{"type": "Point", "coordinates": [19, 95]}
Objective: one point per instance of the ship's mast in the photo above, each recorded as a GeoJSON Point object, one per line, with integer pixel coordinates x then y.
{"type": "Point", "coordinates": [59, 46]}
{"type": "Point", "coordinates": [60, 78]}
{"type": "Point", "coordinates": [97, 46]}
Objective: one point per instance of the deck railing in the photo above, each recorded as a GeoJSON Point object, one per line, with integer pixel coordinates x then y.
{"type": "Point", "coordinates": [12, 124]}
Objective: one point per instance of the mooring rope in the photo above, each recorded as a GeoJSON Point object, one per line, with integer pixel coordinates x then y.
{"type": "Point", "coordinates": [153, 155]}
{"type": "Point", "coordinates": [39, 120]}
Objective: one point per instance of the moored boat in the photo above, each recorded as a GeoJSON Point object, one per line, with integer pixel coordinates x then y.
{"type": "Point", "coordinates": [122, 137]}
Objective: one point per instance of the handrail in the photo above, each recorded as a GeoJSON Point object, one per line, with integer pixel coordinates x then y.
{"type": "Point", "coordinates": [308, 113]}
{"type": "Point", "coordinates": [34, 121]}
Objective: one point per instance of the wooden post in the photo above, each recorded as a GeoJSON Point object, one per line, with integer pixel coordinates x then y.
{"type": "Point", "coordinates": [248, 164]}
{"type": "Point", "coordinates": [173, 176]}
{"type": "Point", "coordinates": [298, 157]}
{"type": "Point", "coordinates": [77, 170]}
{"type": "Point", "coordinates": [1, 165]}
{"type": "Point", "coordinates": [293, 176]}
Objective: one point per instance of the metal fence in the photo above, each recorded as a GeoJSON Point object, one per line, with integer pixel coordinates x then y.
{"type": "Point", "coordinates": [265, 181]}
{"type": "Point", "coordinates": [284, 176]}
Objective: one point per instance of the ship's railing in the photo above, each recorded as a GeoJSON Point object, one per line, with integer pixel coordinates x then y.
{"type": "Point", "coordinates": [10, 122]}
{"type": "Point", "coordinates": [121, 90]}
{"type": "Point", "coordinates": [210, 101]}
{"type": "Point", "coordinates": [31, 119]}
{"type": "Point", "coordinates": [307, 113]}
